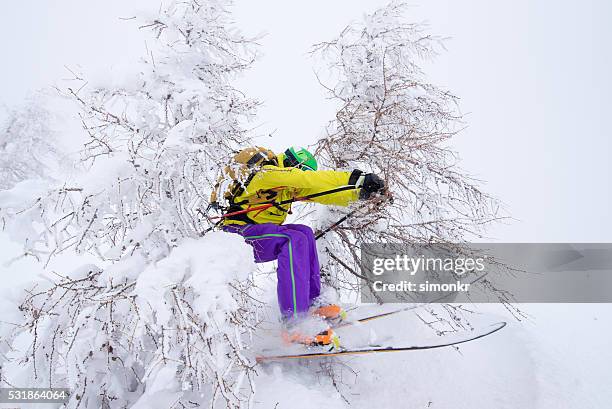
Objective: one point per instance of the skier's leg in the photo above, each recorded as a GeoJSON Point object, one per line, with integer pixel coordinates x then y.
{"type": "Point", "coordinates": [268, 247]}
{"type": "Point", "coordinates": [291, 250]}
{"type": "Point", "coordinates": [327, 310]}
{"type": "Point", "coordinates": [315, 272]}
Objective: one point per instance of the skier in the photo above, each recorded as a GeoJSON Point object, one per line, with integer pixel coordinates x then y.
{"type": "Point", "coordinates": [278, 178]}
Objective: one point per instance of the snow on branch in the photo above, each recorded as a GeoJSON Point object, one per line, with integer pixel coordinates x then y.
{"type": "Point", "coordinates": [152, 145]}
{"type": "Point", "coordinates": [28, 145]}
{"type": "Point", "coordinates": [142, 335]}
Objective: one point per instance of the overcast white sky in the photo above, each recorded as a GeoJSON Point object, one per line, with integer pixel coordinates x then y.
{"type": "Point", "coordinates": [533, 77]}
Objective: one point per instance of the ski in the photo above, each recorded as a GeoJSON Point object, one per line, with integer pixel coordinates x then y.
{"type": "Point", "coordinates": [373, 350]}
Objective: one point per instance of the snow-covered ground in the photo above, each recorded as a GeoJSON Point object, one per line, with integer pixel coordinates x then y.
{"type": "Point", "coordinates": [546, 363]}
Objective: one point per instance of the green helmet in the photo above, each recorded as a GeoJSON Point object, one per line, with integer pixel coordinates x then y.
{"type": "Point", "coordinates": [300, 158]}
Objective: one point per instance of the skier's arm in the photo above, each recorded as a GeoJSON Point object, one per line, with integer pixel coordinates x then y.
{"type": "Point", "coordinates": [365, 184]}
{"type": "Point", "coordinates": [343, 198]}
{"type": "Point", "coordinates": [308, 182]}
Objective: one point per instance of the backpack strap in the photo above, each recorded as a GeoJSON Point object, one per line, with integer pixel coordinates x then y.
{"type": "Point", "coordinates": [260, 160]}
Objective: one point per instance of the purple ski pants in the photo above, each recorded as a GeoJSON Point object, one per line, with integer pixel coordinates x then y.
{"type": "Point", "coordinates": [294, 246]}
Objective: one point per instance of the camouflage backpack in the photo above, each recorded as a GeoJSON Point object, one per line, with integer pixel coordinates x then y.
{"type": "Point", "coordinates": [237, 175]}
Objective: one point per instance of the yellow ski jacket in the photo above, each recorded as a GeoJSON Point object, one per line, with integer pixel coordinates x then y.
{"type": "Point", "coordinates": [281, 183]}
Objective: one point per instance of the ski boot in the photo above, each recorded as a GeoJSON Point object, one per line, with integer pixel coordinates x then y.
{"type": "Point", "coordinates": [332, 313]}
{"type": "Point", "coordinates": [323, 338]}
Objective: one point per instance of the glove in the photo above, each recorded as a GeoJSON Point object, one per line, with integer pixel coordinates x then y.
{"type": "Point", "coordinates": [370, 183]}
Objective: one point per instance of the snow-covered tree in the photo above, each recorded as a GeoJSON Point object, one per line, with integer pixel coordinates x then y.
{"type": "Point", "coordinates": [28, 145]}
{"type": "Point", "coordinates": [160, 320]}
{"type": "Point", "coordinates": [391, 121]}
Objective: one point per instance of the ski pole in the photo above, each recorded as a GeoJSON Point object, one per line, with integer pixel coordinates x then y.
{"type": "Point", "coordinates": [266, 205]}
{"type": "Point", "coordinates": [339, 222]}
{"type": "Point", "coordinates": [350, 214]}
